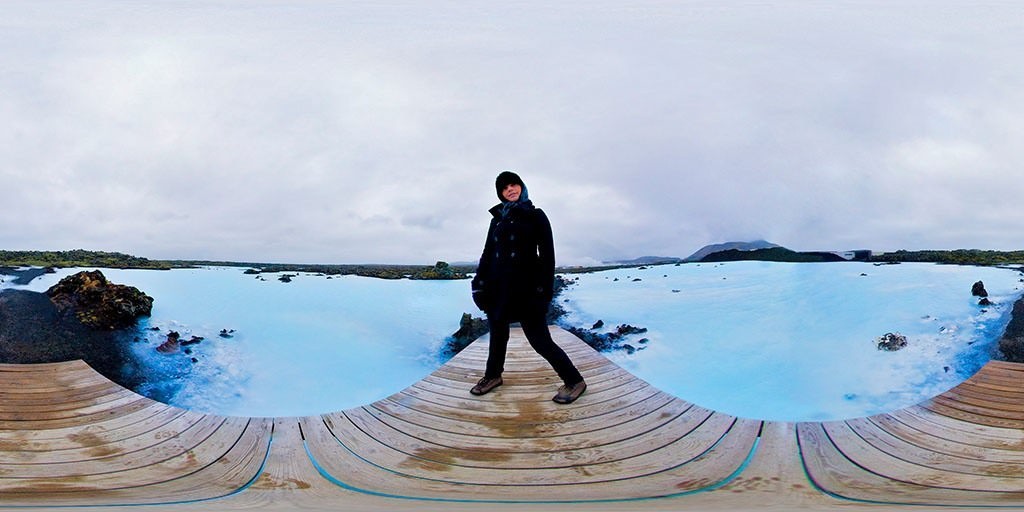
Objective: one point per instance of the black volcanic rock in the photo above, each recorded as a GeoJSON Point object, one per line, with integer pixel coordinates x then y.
{"type": "Point", "coordinates": [470, 328]}
{"type": "Point", "coordinates": [891, 341]}
{"type": "Point", "coordinates": [978, 289]}
{"type": "Point", "coordinates": [98, 303]}
{"type": "Point", "coordinates": [171, 345]}
{"type": "Point", "coordinates": [34, 330]}
{"type": "Point", "coordinates": [1012, 342]}
{"type": "Point", "coordinates": [606, 342]}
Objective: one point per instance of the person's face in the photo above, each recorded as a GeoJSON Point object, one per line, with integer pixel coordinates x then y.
{"type": "Point", "coordinates": [511, 192]}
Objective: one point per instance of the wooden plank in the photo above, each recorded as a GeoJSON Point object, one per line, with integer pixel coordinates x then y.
{"type": "Point", "coordinates": [92, 442]}
{"type": "Point", "coordinates": [954, 410]}
{"type": "Point", "coordinates": [997, 401]}
{"type": "Point", "coordinates": [112, 430]}
{"type": "Point", "coordinates": [958, 430]}
{"type": "Point", "coordinates": [628, 419]}
{"type": "Point", "coordinates": [867, 456]}
{"type": "Point", "coordinates": [836, 474]}
{"type": "Point", "coordinates": [944, 457]}
{"type": "Point", "coordinates": [289, 481]}
{"type": "Point", "coordinates": [512, 392]}
{"type": "Point", "coordinates": [219, 467]}
{"type": "Point", "coordinates": [775, 478]}
{"type": "Point", "coordinates": [936, 438]}
{"type": "Point", "coordinates": [530, 412]}
{"type": "Point", "coordinates": [525, 453]}
{"type": "Point", "coordinates": [66, 366]}
{"type": "Point", "coordinates": [463, 381]}
{"type": "Point", "coordinates": [42, 408]}
{"type": "Point", "coordinates": [85, 418]}
{"type": "Point", "coordinates": [624, 439]}
{"type": "Point", "coordinates": [152, 450]}
{"type": "Point", "coordinates": [709, 468]}
{"type": "Point", "coordinates": [58, 400]}
{"type": "Point", "coordinates": [980, 412]}
{"type": "Point", "coordinates": [421, 459]}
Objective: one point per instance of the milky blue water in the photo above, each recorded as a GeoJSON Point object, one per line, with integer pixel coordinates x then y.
{"type": "Point", "coordinates": [796, 342]}
{"type": "Point", "coordinates": [765, 340]}
{"type": "Point", "coordinates": [306, 347]}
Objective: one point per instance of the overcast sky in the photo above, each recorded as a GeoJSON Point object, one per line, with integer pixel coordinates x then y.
{"type": "Point", "coordinates": [350, 132]}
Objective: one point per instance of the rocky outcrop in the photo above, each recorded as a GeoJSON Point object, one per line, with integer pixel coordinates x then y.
{"type": "Point", "coordinates": [98, 303]}
{"type": "Point", "coordinates": [891, 341]}
{"type": "Point", "coordinates": [34, 330]}
{"type": "Point", "coordinates": [171, 344]}
{"type": "Point", "coordinates": [470, 328]}
{"type": "Point", "coordinates": [608, 341]}
{"type": "Point", "coordinates": [978, 289]}
{"type": "Point", "coordinates": [1012, 342]}
{"type": "Point", "coordinates": [82, 317]}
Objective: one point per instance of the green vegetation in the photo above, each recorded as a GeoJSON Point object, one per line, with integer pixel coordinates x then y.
{"type": "Point", "coordinates": [81, 258]}
{"type": "Point", "coordinates": [440, 270]}
{"type": "Point", "coordinates": [957, 257]}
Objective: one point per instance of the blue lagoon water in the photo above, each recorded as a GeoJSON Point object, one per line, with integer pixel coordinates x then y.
{"type": "Point", "coordinates": [765, 340]}
{"type": "Point", "coordinates": [310, 346]}
{"type": "Point", "coordinates": [796, 342]}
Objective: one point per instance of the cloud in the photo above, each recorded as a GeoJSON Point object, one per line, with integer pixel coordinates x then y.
{"type": "Point", "coordinates": [343, 132]}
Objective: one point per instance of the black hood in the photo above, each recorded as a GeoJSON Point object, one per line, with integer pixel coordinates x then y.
{"type": "Point", "coordinates": [507, 178]}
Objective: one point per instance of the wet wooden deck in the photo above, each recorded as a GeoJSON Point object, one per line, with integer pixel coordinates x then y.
{"type": "Point", "coordinates": [70, 437]}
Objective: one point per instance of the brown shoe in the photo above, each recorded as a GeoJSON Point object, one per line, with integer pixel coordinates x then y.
{"type": "Point", "coordinates": [485, 385]}
{"type": "Point", "coordinates": [569, 394]}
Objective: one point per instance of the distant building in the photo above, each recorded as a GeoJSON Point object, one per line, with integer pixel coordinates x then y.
{"type": "Point", "coordinates": [857, 255]}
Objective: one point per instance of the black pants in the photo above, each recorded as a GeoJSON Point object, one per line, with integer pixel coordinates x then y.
{"type": "Point", "coordinates": [536, 330]}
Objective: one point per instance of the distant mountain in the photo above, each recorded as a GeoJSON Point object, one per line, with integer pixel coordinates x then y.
{"type": "Point", "coordinates": [738, 246]}
{"type": "Point", "coordinates": [772, 254]}
{"type": "Point", "coordinates": [646, 260]}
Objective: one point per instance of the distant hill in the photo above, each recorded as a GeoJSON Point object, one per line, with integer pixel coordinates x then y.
{"type": "Point", "coordinates": [737, 246]}
{"type": "Point", "coordinates": [772, 254]}
{"type": "Point", "coordinates": [958, 256]}
{"type": "Point", "coordinates": [646, 260]}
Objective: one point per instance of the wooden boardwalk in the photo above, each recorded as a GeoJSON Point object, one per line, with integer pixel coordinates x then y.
{"type": "Point", "coordinates": [70, 437]}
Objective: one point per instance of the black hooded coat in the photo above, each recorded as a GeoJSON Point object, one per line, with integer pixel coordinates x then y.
{"type": "Point", "coordinates": [517, 267]}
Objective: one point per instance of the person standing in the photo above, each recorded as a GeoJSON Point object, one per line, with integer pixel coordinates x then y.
{"type": "Point", "coordinates": [514, 282]}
